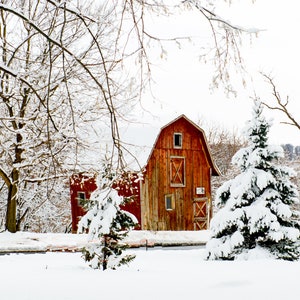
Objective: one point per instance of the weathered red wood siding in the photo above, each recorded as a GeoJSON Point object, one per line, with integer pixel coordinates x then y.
{"type": "Point", "coordinates": [157, 178]}
{"type": "Point", "coordinates": [129, 187]}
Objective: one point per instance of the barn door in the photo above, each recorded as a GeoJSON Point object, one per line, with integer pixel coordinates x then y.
{"type": "Point", "coordinates": [201, 213]}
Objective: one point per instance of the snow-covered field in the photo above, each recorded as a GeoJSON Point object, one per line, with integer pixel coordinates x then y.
{"type": "Point", "coordinates": [158, 273]}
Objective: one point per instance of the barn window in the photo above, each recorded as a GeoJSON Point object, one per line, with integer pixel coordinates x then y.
{"type": "Point", "coordinates": [177, 140]}
{"type": "Point", "coordinates": [81, 198]}
{"type": "Point", "coordinates": [177, 171]}
{"type": "Point", "coordinates": [169, 202]}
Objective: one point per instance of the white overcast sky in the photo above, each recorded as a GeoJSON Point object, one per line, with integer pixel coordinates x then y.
{"type": "Point", "coordinates": [182, 81]}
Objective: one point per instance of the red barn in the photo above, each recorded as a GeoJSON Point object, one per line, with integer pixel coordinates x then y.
{"type": "Point", "coordinates": [175, 193]}
{"type": "Point", "coordinates": [176, 190]}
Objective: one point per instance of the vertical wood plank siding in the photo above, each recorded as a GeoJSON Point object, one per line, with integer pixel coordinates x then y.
{"type": "Point", "coordinates": [157, 178]}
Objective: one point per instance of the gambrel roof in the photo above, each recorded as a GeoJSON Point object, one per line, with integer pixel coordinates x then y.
{"type": "Point", "coordinates": [215, 170]}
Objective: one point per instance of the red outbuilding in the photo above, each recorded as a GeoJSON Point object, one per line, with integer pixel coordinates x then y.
{"type": "Point", "coordinates": [82, 185]}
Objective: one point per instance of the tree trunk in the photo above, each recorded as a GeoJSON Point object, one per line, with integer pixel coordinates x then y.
{"type": "Point", "coordinates": [11, 213]}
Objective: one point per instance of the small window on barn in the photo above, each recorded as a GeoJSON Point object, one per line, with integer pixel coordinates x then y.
{"type": "Point", "coordinates": [177, 140]}
{"type": "Point", "coordinates": [169, 202]}
{"type": "Point", "coordinates": [81, 197]}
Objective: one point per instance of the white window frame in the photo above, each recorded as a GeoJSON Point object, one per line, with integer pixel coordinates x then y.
{"type": "Point", "coordinates": [179, 136]}
{"type": "Point", "coordinates": [169, 202]}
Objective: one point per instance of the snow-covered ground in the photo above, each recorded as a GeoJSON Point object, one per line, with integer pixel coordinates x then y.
{"type": "Point", "coordinates": [156, 273]}
{"type": "Point", "coordinates": [41, 242]}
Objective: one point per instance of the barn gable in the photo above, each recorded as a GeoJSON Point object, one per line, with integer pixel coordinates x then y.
{"type": "Point", "coordinates": [176, 190]}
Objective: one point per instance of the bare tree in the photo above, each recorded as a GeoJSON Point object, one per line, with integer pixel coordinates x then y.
{"type": "Point", "coordinates": [225, 51]}
{"type": "Point", "coordinates": [40, 110]}
{"type": "Point", "coordinates": [223, 144]}
{"type": "Point", "coordinates": [63, 66]}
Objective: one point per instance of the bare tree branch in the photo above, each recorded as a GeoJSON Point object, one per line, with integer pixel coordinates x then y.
{"type": "Point", "coordinates": [280, 105]}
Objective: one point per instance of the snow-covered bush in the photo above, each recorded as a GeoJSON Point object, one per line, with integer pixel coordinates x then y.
{"type": "Point", "coordinates": [256, 207]}
{"type": "Point", "coordinates": [107, 226]}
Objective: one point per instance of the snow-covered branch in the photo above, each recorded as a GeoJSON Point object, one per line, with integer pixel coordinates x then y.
{"type": "Point", "coordinates": [211, 16]}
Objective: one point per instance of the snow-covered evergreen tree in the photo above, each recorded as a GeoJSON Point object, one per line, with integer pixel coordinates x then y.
{"type": "Point", "coordinates": [107, 225]}
{"type": "Point", "coordinates": [256, 215]}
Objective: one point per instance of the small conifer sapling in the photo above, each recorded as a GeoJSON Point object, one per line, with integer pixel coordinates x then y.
{"type": "Point", "coordinates": [107, 224]}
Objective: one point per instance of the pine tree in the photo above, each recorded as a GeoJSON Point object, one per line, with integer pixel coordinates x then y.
{"type": "Point", "coordinates": [256, 215]}
{"type": "Point", "coordinates": [107, 224]}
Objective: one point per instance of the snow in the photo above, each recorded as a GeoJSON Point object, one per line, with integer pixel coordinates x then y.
{"type": "Point", "coordinates": [35, 242]}
{"type": "Point", "coordinates": [159, 273]}
{"type": "Point", "coordinates": [100, 217]}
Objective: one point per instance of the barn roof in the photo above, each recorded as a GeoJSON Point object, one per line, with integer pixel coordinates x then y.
{"type": "Point", "coordinates": [215, 169]}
